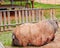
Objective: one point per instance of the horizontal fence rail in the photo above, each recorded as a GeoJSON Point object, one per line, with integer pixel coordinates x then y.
{"type": "Point", "coordinates": [11, 18]}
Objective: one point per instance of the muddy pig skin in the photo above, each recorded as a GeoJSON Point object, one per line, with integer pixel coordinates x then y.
{"type": "Point", "coordinates": [36, 34]}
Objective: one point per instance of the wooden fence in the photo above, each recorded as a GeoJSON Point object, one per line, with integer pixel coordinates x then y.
{"type": "Point", "coordinates": [22, 16]}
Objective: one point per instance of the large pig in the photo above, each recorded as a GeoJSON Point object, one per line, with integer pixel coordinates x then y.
{"type": "Point", "coordinates": [36, 34]}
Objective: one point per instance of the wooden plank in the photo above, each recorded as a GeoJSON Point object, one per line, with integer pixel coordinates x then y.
{"type": "Point", "coordinates": [8, 14]}
{"type": "Point", "coordinates": [40, 17]}
{"type": "Point", "coordinates": [20, 17]}
{"type": "Point", "coordinates": [26, 13]}
{"type": "Point", "coordinates": [5, 21]}
{"type": "Point", "coordinates": [16, 17]}
{"type": "Point", "coordinates": [23, 18]}
{"type": "Point", "coordinates": [37, 15]}
{"type": "Point", "coordinates": [1, 21]}
{"type": "Point", "coordinates": [42, 14]}
{"type": "Point", "coordinates": [52, 14]}
{"type": "Point", "coordinates": [30, 19]}
{"type": "Point", "coordinates": [33, 16]}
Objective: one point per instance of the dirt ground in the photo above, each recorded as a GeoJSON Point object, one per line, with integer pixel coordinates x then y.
{"type": "Point", "coordinates": [53, 44]}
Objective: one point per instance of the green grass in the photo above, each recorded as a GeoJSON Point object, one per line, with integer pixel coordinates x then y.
{"type": "Point", "coordinates": [6, 38]}
{"type": "Point", "coordinates": [15, 3]}
{"type": "Point", "coordinates": [36, 5]}
{"type": "Point", "coordinates": [41, 5]}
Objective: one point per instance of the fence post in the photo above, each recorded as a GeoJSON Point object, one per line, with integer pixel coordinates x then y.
{"type": "Point", "coordinates": [23, 17]}
{"type": "Point", "coordinates": [1, 21]}
{"type": "Point", "coordinates": [37, 15]}
{"type": "Point", "coordinates": [5, 21]}
{"type": "Point", "coordinates": [8, 14]}
{"type": "Point", "coordinates": [16, 17]}
{"type": "Point", "coordinates": [52, 14]}
{"type": "Point", "coordinates": [33, 17]}
{"type": "Point", "coordinates": [43, 17]}
{"type": "Point", "coordinates": [20, 18]}
{"type": "Point", "coordinates": [42, 14]}
{"type": "Point", "coordinates": [40, 17]}
{"type": "Point", "coordinates": [26, 13]}
{"type": "Point", "coordinates": [30, 19]}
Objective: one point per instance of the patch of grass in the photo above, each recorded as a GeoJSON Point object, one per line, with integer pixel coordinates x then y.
{"type": "Point", "coordinates": [6, 38]}
{"type": "Point", "coordinates": [36, 4]}
{"type": "Point", "coordinates": [23, 3]}
{"type": "Point", "coordinates": [41, 5]}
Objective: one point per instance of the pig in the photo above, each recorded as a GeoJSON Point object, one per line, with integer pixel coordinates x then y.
{"type": "Point", "coordinates": [35, 34]}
